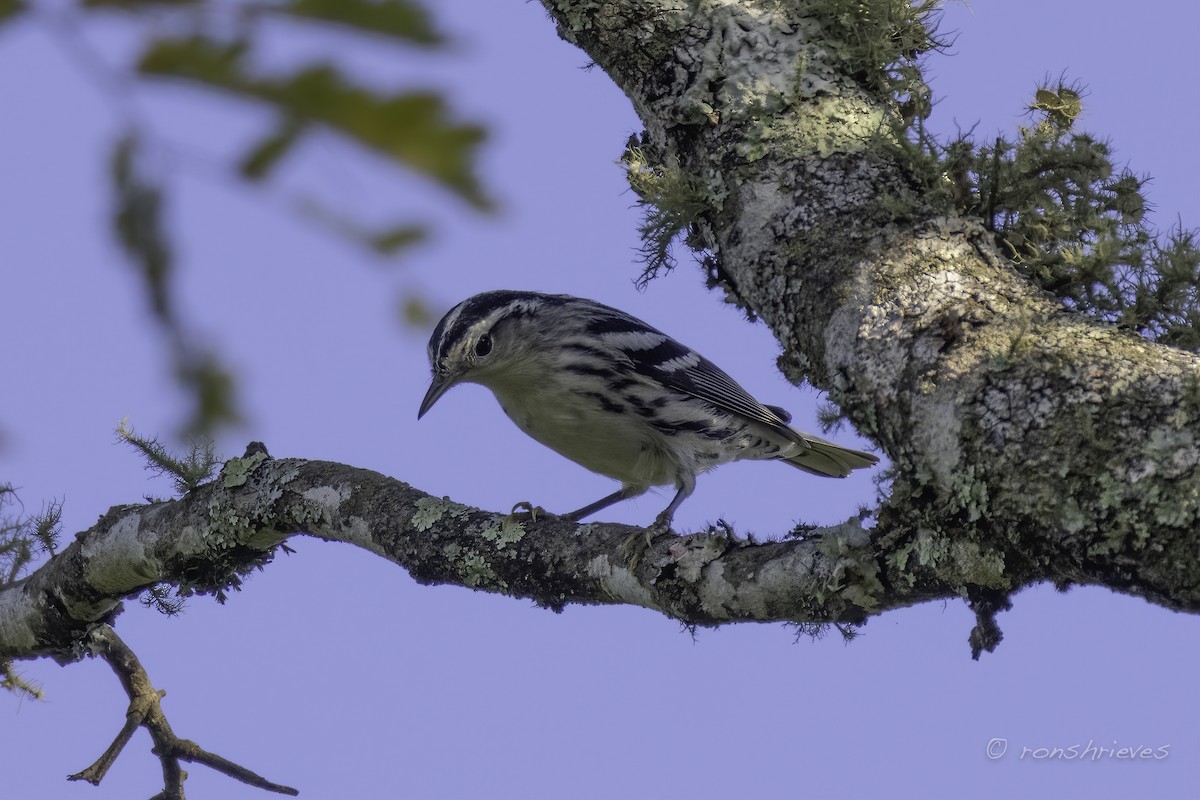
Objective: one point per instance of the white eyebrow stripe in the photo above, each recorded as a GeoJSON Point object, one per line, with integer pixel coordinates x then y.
{"type": "Point", "coordinates": [447, 327]}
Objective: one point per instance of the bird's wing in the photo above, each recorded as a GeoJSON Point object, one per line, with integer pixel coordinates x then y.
{"type": "Point", "coordinates": [654, 354]}
{"type": "Point", "coordinates": [692, 374]}
{"type": "Point", "coordinates": [683, 370]}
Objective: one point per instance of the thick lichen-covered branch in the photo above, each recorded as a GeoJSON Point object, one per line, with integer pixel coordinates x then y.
{"type": "Point", "coordinates": [206, 541]}
{"type": "Point", "coordinates": [1028, 440]}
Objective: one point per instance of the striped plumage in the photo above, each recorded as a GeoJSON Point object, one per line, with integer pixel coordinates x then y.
{"type": "Point", "coordinates": [615, 395]}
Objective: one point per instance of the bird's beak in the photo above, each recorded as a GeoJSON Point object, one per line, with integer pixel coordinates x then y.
{"type": "Point", "coordinates": [442, 382]}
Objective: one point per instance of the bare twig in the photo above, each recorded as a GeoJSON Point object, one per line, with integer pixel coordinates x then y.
{"type": "Point", "coordinates": [145, 710]}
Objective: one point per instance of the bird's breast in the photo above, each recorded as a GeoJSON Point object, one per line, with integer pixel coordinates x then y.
{"type": "Point", "coordinates": [596, 430]}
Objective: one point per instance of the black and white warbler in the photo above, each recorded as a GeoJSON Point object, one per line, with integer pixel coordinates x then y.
{"type": "Point", "coordinates": [615, 395]}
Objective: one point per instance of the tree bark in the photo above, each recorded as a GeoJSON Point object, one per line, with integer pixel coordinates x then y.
{"type": "Point", "coordinates": [1029, 444]}
{"type": "Point", "coordinates": [206, 541]}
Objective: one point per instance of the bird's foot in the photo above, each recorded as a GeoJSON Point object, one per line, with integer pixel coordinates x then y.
{"type": "Point", "coordinates": [526, 511]}
{"type": "Point", "coordinates": [636, 546]}
{"type": "Point", "coordinates": [662, 524]}
{"type": "Point", "coordinates": [634, 549]}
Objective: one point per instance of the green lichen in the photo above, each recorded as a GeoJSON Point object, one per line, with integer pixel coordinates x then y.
{"type": "Point", "coordinates": [1070, 218]}
{"type": "Point", "coordinates": [1163, 445]}
{"type": "Point", "coordinates": [238, 470]}
{"type": "Point", "coordinates": [1071, 517]}
{"type": "Point", "coordinates": [930, 548]}
{"type": "Point", "coordinates": [971, 493]}
{"type": "Point", "coordinates": [1179, 513]}
{"type": "Point", "coordinates": [431, 510]}
{"type": "Point", "coordinates": [855, 573]}
{"type": "Point", "coordinates": [503, 533]}
{"type": "Point", "coordinates": [225, 524]}
{"type": "Point", "coordinates": [186, 471]}
{"type": "Point", "coordinates": [879, 41]}
{"type": "Point", "coordinates": [837, 124]}
{"type": "Point", "coordinates": [472, 568]}
{"type": "Point", "coordinates": [672, 201]}
{"type": "Point", "coordinates": [1112, 541]}
{"type": "Point", "coordinates": [978, 567]}
{"type": "Point", "coordinates": [475, 571]}
{"type": "Point", "coordinates": [234, 544]}
{"type": "Point", "coordinates": [898, 560]}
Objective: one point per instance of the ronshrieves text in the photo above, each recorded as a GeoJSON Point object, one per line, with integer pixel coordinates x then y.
{"type": "Point", "coordinates": [1092, 751]}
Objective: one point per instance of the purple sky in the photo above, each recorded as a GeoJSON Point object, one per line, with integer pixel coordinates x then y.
{"type": "Point", "coordinates": [333, 671]}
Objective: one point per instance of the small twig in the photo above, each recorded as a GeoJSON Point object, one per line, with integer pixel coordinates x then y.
{"type": "Point", "coordinates": [145, 710]}
{"type": "Point", "coordinates": [96, 772]}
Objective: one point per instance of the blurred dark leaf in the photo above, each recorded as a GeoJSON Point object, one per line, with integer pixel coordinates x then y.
{"type": "Point", "coordinates": [394, 18]}
{"type": "Point", "coordinates": [212, 388]}
{"type": "Point", "coordinates": [137, 219]}
{"type": "Point", "coordinates": [135, 5]}
{"type": "Point", "coordinates": [263, 157]}
{"type": "Point", "coordinates": [10, 9]}
{"type": "Point", "coordinates": [215, 45]}
{"type": "Point", "coordinates": [415, 313]}
{"type": "Point", "coordinates": [385, 241]}
{"type": "Point", "coordinates": [391, 240]}
{"type": "Point", "coordinates": [411, 128]}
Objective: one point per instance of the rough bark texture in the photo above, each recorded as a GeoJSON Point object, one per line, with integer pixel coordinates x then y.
{"type": "Point", "coordinates": [206, 540]}
{"type": "Point", "coordinates": [1030, 444]}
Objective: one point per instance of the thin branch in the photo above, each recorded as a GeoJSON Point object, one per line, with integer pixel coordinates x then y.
{"type": "Point", "coordinates": [145, 710]}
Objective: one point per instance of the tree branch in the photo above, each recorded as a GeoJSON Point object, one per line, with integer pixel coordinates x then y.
{"type": "Point", "coordinates": [1028, 440]}
{"type": "Point", "coordinates": [145, 710]}
{"type": "Point", "coordinates": [1030, 444]}
{"type": "Point", "coordinates": [207, 540]}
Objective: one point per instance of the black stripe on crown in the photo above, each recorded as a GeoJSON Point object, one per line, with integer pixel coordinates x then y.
{"type": "Point", "coordinates": [479, 306]}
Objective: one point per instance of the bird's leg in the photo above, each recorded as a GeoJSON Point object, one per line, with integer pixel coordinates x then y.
{"type": "Point", "coordinates": [662, 523]}
{"type": "Point", "coordinates": [636, 546]}
{"type": "Point", "coordinates": [624, 493]}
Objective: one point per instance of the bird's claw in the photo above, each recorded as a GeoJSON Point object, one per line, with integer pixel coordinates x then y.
{"type": "Point", "coordinates": [528, 513]}
{"type": "Point", "coordinates": [637, 545]}
{"type": "Point", "coordinates": [662, 524]}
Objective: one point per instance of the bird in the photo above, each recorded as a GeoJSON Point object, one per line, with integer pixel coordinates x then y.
{"type": "Point", "coordinates": [615, 395]}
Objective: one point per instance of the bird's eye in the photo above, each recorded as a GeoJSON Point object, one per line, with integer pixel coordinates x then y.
{"type": "Point", "coordinates": [483, 346]}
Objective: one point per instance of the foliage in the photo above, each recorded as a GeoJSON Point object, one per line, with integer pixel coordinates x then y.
{"type": "Point", "coordinates": [1075, 223]}
{"type": "Point", "coordinates": [10, 9]}
{"type": "Point", "coordinates": [410, 128]}
{"type": "Point", "coordinates": [392, 18]}
{"type": "Point", "coordinates": [223, 47]}
{"type": "Point", "coordinates": [138, 222]}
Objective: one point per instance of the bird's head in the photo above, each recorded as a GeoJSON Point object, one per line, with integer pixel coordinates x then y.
{"type": "Point", "coordinates": [488, 338]}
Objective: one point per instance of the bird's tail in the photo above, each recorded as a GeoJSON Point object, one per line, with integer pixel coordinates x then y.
{"type": "Point", "coordinates": [829, 459]}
